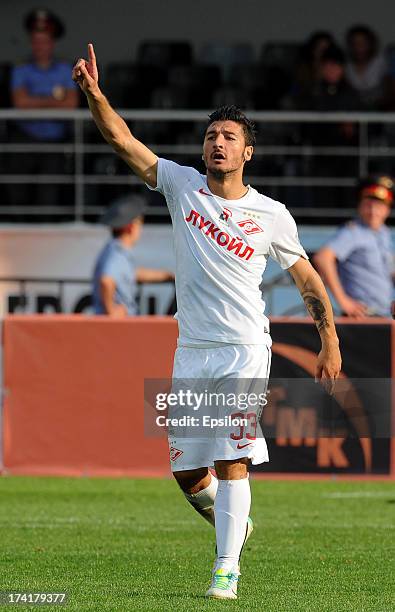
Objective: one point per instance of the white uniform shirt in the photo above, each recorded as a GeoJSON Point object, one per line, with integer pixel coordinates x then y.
{"type": "Point", "coordinates": [221, 248]}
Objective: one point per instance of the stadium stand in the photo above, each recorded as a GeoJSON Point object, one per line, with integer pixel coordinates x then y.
{"type": "Point", "coordinates": [301, 163]}
{"type": "Point", "coordinates": [227, 56]}
{"type": "Point", "coordinates": [165, 53]}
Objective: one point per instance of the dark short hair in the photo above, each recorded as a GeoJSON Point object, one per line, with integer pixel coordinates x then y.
{"type": "Point", "coordinates": [116, 232]}
{"type": "Point", "coordinates": [333, 54]}
{"type": "Point", "coordinates": [232, 113]}
{"type": "Point", "coordinates": [365, 31]}
{"type": "Point", "coordinates": [307, 50]}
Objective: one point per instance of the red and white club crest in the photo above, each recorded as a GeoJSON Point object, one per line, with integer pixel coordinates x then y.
{"type": "Point", "coordinates": [249, 226]}
{"type": "Point", "coordinates": [226, 213]}
{"type": "Point", "coordinates": [175, 453]}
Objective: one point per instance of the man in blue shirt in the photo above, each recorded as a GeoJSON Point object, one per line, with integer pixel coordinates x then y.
{"type": "Point", "coordinates": [116, 275]}
{"type": "Point", "coordinates": [357, 263]}
{"type": "Point", "coordinates": [41, 83]}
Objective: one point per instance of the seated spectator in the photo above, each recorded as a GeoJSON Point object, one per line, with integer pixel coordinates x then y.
{"type": "Point", "coordinates": [366, 69]}
{"type": "Point", "coordinates": [42, 83]}
{"type": "Point", "coordinates": [307, 71]}
{"type": "Point", "coordinates": [330, 91]}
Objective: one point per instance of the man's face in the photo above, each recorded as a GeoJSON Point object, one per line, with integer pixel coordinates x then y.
{"type": "Point", "coordinates": [373, 212]}
{"type": "Point", "coordinates": [42, 44]}
{"type": "Point", "coordinates": [136, 229]}
{"type": "Point", "coordinates": [131, 233]}
{"type": "Point", "coordinates": [360, 47]}
{"type": "Point", "coordinates": [224, 148]}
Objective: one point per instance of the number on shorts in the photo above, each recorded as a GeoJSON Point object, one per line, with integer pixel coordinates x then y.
{"type": "Point", "coordinates": [250, 429]}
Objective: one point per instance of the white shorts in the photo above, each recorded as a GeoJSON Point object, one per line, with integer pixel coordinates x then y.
{"type": "Point", "coordinates": [224, 368]}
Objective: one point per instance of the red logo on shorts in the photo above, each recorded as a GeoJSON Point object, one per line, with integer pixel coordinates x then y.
{"type": "Point", "coordinates": [240, 446]}
{"type": "Point", "coordinates": [249, 226]}
{"type": "Point", "coordinates": [175, 453]}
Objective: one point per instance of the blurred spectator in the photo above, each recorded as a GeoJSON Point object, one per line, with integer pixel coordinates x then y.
{"type": "Point", "coordinates": [330, 91]}
{"type": "Point", "coordinates": [308, 69]}
{"type": "Point", "coordinates": [366, 69]}
{"type": "Point", "coordinates": [42, 83]}
{"type": "Point", "coordinates": [357, 263]}
{"type": "Point", "coordinates": [116, 275]}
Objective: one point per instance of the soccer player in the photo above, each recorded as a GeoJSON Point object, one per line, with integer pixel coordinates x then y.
{"type": "Point", "coordinates": [224, 231]}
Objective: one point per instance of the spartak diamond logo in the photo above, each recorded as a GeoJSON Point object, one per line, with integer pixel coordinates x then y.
{"type": "Point", "coordinates": [175, 453]}
{"type": "Point", "coordinates": [226, 213]}
{"type": "Point", "coordinates": [249, 226]}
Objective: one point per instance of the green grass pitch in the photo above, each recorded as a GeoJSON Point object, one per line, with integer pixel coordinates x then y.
{"type": "Point", "coordinates": [119, 544]}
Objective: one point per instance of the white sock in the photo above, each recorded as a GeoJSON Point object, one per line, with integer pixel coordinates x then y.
{"type": "Point", "coordinates": [203, 501]}
{"type": "Point", "coordinates": [231, 508]}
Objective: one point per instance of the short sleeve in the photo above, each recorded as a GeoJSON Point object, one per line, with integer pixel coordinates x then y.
{"type": "Point", "coordinates": [112, 267]}
{"type": "Point", "coordinates": [285, 247]}
{"type": "Point", "coordinates": [171, 179]}
{"type": "Point", "coordinates": [167, 178]}
{"type": "Point", "coordinates": [343, 243]}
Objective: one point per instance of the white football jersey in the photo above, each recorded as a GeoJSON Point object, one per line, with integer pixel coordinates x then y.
{"type": "Point", "coordinates": [221, 248]}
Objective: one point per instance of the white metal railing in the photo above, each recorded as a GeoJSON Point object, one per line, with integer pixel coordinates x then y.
{"type": "Point", "coordinates": [367, 149]}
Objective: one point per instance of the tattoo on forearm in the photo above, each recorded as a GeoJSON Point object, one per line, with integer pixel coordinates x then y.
{"type": "Point", "coordinates": [316, 308]}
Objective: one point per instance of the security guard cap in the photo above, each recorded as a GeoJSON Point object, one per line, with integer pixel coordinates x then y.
{"type": "Point", "coordinates": [123, 211]}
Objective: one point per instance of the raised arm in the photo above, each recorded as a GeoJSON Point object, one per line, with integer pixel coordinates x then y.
{"type": "Point", "coordinates": [318, 304]}
{"type": "Point", "coordinates": [114, 129]}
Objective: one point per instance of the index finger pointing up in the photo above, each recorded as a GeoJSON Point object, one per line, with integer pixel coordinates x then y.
{"type": "Point", "coordinates": [91, 53]}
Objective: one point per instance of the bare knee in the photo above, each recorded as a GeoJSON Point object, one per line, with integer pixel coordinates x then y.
{"type": "Point", "coordinates": [193, 481]}
{"type": "Point", "coordinates": [235, 469]}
